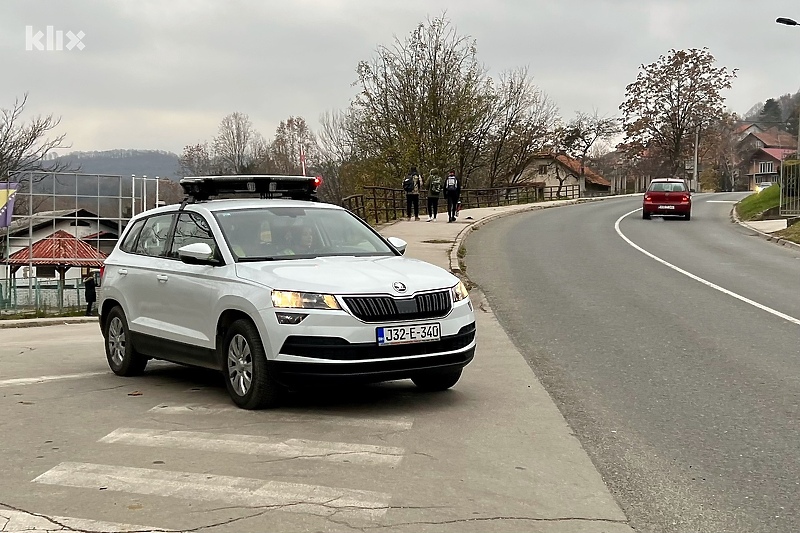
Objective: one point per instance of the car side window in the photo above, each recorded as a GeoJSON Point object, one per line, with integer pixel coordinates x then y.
{"type": "Point", "coordinates": [153, 237]}
{"type": "Point", "coordinates": [191, 228]}
{"type": "Point", "coordinates": [130, 238]}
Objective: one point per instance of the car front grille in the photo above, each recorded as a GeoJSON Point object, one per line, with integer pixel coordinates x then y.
{"type": "Point", "coordinates": [336, 348]}
{"type": "Point", "coordinates": [387, 308]}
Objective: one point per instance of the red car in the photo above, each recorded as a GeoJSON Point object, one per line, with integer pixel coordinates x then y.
{"type": "Point", "coordinates": [667, 196]}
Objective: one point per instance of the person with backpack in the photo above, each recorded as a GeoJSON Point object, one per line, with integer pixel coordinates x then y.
{"type": "Point", "coordinates": [412, 184]}
{"type": "Point", "coordinates": [434, 189]}
{"type": "Point", "coordinates": [452, 190]}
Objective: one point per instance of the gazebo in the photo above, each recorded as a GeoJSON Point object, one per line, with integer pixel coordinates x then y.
{"type": "Point", "coordinates": [60, 250]}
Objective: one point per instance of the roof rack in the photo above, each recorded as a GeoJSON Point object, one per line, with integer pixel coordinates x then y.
{"type": "Point", "coordinates": [202, 188]}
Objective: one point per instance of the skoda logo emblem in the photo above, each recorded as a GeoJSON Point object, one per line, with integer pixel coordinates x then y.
{"type": "Point", "coordinates": [398, 286]}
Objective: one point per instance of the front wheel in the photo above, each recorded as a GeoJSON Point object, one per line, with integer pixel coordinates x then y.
{"type": "Point", "coordinates": [245, 367]}
{"type": "Point", "coordinates": [122, 358]}
{"type": "Point", "coordinates": [437, 380]}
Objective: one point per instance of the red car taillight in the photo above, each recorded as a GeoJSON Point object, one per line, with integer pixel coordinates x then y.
{"type": "Point", "coordinates": [647, 197]}
{"type": "Point", "coordinates": [684, 198]}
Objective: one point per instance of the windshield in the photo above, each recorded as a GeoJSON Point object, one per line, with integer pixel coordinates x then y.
{"type": "Point", "coordinates": [266, 234]}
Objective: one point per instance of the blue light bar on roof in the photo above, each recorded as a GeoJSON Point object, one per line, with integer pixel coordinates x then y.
{"type": "Point", "coordinates": [201, 188]}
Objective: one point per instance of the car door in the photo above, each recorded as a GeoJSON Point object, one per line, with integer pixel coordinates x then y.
{"type": "Point", "coordinates": [141, 279]}
{"type": "Point", "coordinates": [189, 293]}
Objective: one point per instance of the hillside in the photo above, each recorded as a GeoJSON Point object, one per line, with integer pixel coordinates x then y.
{"type": "Point", "coordinates": [149, 163]}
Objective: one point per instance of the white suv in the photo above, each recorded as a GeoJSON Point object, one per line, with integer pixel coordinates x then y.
{"type": "Point", "coordinates": [278, 290]}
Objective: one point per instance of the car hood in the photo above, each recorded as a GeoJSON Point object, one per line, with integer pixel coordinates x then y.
{"type": "Point", "coordinates": [348, 275]}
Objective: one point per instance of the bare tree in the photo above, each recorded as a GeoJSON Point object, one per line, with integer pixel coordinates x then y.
{"type": "Point", "coordinates": [422, 101]}
{"type": "Point", "coordinates": [232, 143]}
{"type": "Point", "coordinates": [334, 152]}
{"type": "Point", "coordinates": [195, 160]}
{"type": "Point", "coordinates": [582, 134]}
{"type": "Point", "coordinates": [525, 121]}
{"type": "Point", "coordinates": [293, 137]}
{"type": "Point", "coordinates": [25, 147]}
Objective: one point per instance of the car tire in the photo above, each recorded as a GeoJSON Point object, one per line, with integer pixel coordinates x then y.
{"type": "Point", "coordinates": [437, 380]}
{"type": "Point", "coordinates": [244, 365]}
{"type": "Point", "coordinates": [645, 215]}
{"type": "Point", "coordinates": [688, 216]}
{"type": "Point", "coordinates": [122, 358]}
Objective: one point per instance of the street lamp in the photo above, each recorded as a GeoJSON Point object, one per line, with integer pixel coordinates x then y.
{"type": "Point", "coordinates": [786, 21]}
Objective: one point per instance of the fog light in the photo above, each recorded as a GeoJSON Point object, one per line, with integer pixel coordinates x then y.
{"type": "Point", "coordinates": [290, 318]}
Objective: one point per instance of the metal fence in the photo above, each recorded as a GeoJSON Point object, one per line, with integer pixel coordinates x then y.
{"type": "Point", "coordinates": [41, 295]}
{"type": "Point", "coordinates": [91, 208]}
{"type": "Point", "coordinates": [384, 204]}
{"type": "Point", "coordinates": [790, 189]}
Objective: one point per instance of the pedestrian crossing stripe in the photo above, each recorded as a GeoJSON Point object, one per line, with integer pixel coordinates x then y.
{"type": "Point", "coordinates": [340, 452]}
{"type": "Point", "coordinates": [291, 497]}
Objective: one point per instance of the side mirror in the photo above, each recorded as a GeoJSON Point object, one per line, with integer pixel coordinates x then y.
{"type": "Point", "coordinates": [198, 253]}
{"type": "Point", "coordinates": [400, 244]}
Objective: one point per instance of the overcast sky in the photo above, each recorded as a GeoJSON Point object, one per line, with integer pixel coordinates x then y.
{"type": "Point", "coordinates": [161, 74]}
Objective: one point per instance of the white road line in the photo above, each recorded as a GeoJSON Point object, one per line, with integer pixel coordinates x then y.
{"type": "Point", "coordinates": [339, 452]}
{"type": "Point", "coordinates": [723, 290]}
{"type": "Point", "coordinates": [46, 379]}
{"type": "Point", "coordinates": [239, 491]}
{"type": "Point", "coordinates": [21, 521]}
{"type": "Point", "coordinates": [397, 424]}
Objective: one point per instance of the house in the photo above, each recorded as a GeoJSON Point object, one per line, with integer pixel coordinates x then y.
{"type": "Point", "coordinates": [550, 169]}
{"type": "Point", "coordinates": [26, 231]}
{"type": "Point", "coordinates": [745, 129]}
{"type": "Point", "coordinates": [763, 153]}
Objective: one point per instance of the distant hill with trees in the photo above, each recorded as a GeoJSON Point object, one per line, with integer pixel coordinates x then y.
{"type": "Point", "coordinates": [150, 163]}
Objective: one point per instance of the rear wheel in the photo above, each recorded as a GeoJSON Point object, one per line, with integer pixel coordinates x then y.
{"type": "Point", "coordinates": [122, 358]}
{"type": "Point", "coordinates": [645, 215]}
{"type": "Point", "coordinates": [437, 380]}
{"type": "Point", "coordinates": [688, 216]}
{"type": "Point", "coordinates": [245, 367]}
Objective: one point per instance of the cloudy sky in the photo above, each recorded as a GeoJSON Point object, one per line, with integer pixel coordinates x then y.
{"type": "Point", "coordinates": [161, 74]}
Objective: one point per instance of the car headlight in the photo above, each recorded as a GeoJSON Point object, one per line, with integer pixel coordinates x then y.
{"type": "Point", "coordinates": [459, 292]}
{"type": "Point", "coordinates": [303, 300]}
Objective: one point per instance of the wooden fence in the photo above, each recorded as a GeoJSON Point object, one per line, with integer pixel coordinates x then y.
{"type": "Point", "coordinates": [384, 204]}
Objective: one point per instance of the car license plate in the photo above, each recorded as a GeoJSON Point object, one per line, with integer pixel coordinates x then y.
{"type": "Point", "coordinates": [407, 334]}
{"type": "Point", "coordinates": [666, 207]}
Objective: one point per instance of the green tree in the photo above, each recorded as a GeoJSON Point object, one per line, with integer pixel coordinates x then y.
{"type": "Point", "coordinates": [771, 112]}
{"type": "Point", "coordinates": [669, 100]}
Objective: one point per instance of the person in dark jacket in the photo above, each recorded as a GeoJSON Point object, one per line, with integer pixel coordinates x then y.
{"type": "Point", "coordinates": [90, 293]}
{"type": "Point", "coordinates": [452, 190]}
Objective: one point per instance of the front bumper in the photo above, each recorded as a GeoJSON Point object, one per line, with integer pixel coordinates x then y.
{"type": "Point", "coordinates": [315, 358]}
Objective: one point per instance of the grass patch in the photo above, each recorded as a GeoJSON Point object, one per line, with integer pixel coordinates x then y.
{"type": "Point", "coordinates": [462, 251]}
{"type": "Point", "coordinates": [792, 233]}
{"type": "Point", "coordinates": [757, 203]}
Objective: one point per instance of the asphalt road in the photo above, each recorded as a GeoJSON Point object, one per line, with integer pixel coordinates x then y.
{"type": "Point", "coordinates": [687, 397]}
{"type": "Point", "coordinates": [96, 452]}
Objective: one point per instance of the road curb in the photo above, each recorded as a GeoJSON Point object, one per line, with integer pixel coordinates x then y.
{"type": "Point", "coordinates": [37, 322]}
{"type": "Point", "coordinates": [777, 240]}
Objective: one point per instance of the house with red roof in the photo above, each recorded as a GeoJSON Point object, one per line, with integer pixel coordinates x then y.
{"type": "Point", "coordinates": [552, 169]}
{"type": "Point", "coordinates": [764, 152]}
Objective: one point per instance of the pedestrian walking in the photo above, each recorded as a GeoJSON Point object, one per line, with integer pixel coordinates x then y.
{"type": "Point", "coordinates": [452, 190]}
{"type": "Point", "coordinates": [434, 189]}
{"type": "Point", "coordinates": [90, 293]}
{"type": "Point", "coordinates": [412, 184]}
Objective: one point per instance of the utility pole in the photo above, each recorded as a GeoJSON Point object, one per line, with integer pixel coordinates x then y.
{"type": "Point", "coordinates": [694, 170]}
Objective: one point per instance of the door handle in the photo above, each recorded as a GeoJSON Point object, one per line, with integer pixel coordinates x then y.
{"type": "Point", "coordinates": [162, 277]}
{"type": "Point", "coordinates": [122, 271]}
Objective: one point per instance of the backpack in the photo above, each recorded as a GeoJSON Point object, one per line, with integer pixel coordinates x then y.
{"type": "Point", "coordinates": [408, 184]}
{"type": "Point", "coordinates": [451, 184]}
{"type": "Point", "coordinates": [436, 185]}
